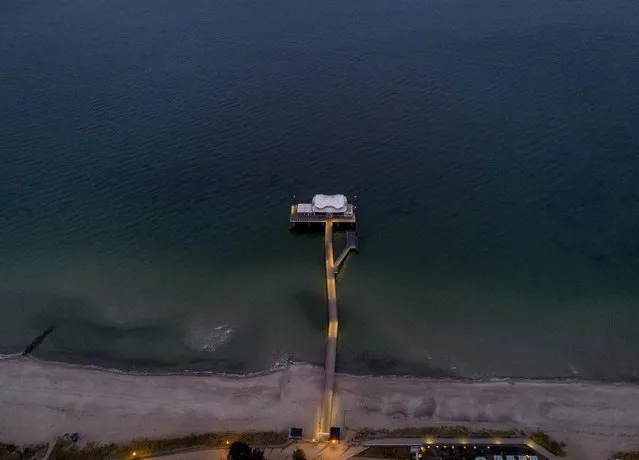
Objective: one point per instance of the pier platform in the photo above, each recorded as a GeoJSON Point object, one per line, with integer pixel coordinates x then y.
{"type": "Point", "coordinates": [306, 216]}
{"type": "Point", "coordinates": [323, 208]}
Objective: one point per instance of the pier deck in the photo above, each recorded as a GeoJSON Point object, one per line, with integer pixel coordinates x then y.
{"type": "Point", "coordinates": [299, 217]}
{"type": "Point", "coordinates": [331, 341]}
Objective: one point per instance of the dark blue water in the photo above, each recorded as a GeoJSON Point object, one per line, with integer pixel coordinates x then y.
{"type": "Point", "coordinates": [149, 152]}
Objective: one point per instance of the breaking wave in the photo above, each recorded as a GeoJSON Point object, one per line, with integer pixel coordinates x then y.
{"type": "Point", "coordinates": [209, 339]}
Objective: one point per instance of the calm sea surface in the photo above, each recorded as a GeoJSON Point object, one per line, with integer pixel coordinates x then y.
{"type": "Point", "coordinates": [150, 149]}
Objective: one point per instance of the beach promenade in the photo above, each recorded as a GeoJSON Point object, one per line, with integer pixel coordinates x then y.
{"type": "Point", "coordinates": [313, 451]}
{"type": "Point", "coordinates": [467, 442]}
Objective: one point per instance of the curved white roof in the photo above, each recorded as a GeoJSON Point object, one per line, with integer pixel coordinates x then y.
{"type": "Point", "coordinates": [329, 203]}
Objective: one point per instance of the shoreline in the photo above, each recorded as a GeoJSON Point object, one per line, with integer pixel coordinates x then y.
{"type": "Point", "coordinates": [112, 406]}
{"type": "Point", "coordinates": [280, 367]}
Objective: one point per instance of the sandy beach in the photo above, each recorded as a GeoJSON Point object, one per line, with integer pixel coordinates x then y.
{"type": "Point", "coordinates": [48, 399]}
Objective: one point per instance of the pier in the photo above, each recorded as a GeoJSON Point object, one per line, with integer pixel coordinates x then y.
{"type": "Point", "coordinates": [331, 341]}
{"type": "Point", "coordinates": [329, 211]}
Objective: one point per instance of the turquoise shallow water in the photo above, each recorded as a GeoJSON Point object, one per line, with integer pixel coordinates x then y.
{"type": "Point", "coordinates": [150, 151]}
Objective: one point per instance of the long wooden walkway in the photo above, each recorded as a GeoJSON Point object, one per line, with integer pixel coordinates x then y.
{"type": "Point", "coordinates": [331, 342]}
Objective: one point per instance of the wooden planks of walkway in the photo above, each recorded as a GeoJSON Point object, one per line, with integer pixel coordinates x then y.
{"type": "Point", "coordinates": [331, 342]}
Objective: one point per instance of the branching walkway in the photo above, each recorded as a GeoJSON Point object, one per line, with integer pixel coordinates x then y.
{"type": "Point", "coordinates": [351, 245]}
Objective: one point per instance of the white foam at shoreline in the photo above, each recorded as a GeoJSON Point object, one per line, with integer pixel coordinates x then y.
{"type": "Point", "coordinates": [285, 363]}
{"type": "Point", "coordinates": [10, 356]}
